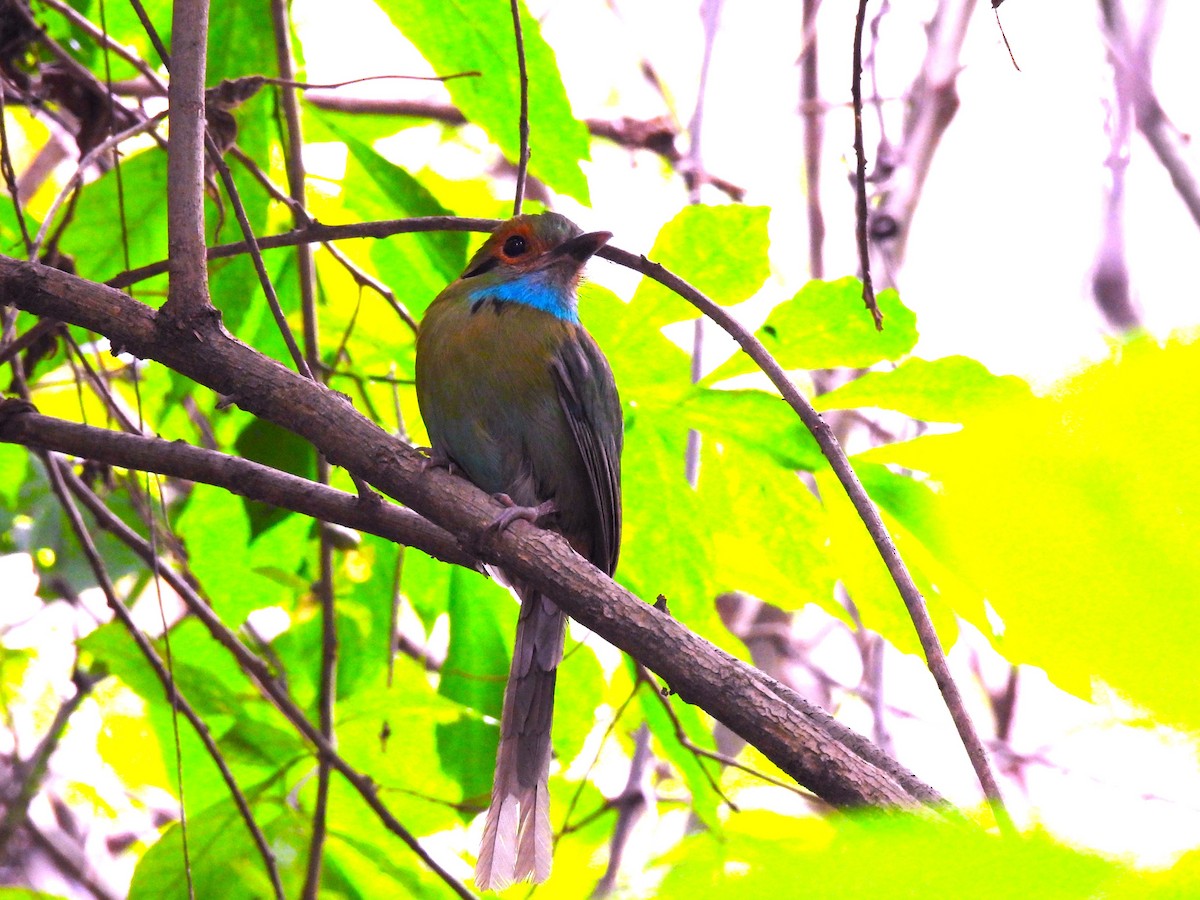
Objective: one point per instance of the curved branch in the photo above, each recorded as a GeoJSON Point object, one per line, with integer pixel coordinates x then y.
{"type": "Point", "coordinates": [913, 601]}
{"type": "Point", "coordinates": [747, 701]}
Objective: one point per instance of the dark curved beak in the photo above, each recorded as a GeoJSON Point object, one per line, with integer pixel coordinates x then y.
{"type": "Point", "coordinates": [583, 247]}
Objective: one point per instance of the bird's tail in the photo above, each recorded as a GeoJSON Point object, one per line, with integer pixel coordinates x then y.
{"type": "Point", "coordinates": [517, 836]}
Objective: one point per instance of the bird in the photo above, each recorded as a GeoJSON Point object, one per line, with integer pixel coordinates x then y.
{"type": "Point", "coordinates": [518, 397]}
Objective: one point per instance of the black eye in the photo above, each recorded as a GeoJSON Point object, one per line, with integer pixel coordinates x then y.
{"type": "Point", "coordinates": [515, 246]}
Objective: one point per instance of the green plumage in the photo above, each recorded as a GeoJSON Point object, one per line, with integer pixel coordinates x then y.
{"type": "Point", "coordinates": [516, 394]}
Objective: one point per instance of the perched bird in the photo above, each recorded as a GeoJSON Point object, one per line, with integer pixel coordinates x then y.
{"type": "Point", "coordinates": [517, 396]}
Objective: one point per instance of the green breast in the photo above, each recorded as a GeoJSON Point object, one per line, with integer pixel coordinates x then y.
{"type": "Point", "coordinates": [490, 403]}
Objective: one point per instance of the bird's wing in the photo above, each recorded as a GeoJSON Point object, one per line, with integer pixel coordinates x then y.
{"type": "Point", "coordinates": [588, 396]}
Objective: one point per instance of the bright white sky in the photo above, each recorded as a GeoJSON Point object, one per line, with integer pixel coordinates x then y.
{"type": "Point", "coordinates": [999, 260]}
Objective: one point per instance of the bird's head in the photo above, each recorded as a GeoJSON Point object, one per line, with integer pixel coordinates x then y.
{"type": "Point", "coordinates": [533, 259]}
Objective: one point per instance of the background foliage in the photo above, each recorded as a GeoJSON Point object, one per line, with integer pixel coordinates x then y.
{"type": "Point", "coordinates": [1059, 523]}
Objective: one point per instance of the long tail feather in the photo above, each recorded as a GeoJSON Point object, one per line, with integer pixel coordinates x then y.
{"type": "Point", "coordinates": [517, 836]}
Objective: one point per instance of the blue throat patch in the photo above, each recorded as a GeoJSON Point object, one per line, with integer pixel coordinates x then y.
{"type": "Point", "coordinates": [532, 290]}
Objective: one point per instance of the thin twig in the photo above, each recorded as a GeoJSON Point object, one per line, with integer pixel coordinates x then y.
{"type": "Point", "coordinates": [567, 825]}
{"type": "Point", "coordinates": [74, 869]}
{"type": "Point", "coordinates": [28, 338]}
{"type": "Point", "coordinates": [255, 248]}
{"type": "Point", "coordinates": [31, 773]}
{"type": "Point", "coordinates": [306, 268]}
{"type": "Point", "coordinates": [523, 121]}
{"type": "Point", "coordinates": [860, 178]}
{"type": "Point", "coordinates": [361, 277]}
{"type": "Point", "coordinates": [915, 603]}
{"type": "Point", "coordinates": [261, 675]}
{"type": "Point", "coordinates": [152, 33]}
{"type": "Point", "coordinates": [315, 234]}
{"type": "Point", "coordinates": [1152, 120]}
{"type": "Point", "coordinates": [10, 180]}
{"type": "Point", "coordinates": [644, 676]}
{"type": "Point", "coordinates": [814, 124]}
{"type": "Point", "coordinates": [100, 36]}
{"type": "Point", "coordinates": [724, 759]}
{"type": "Point", "coordinates": [180, 703]}
{"type": "Point", "coordinates": [99, 385]}
{"type": "Point", "coordinates": [57, 476]}
{"type": "Point", "coordinates": [630, 804]}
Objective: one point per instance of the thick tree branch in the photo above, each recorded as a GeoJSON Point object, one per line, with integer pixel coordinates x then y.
{"type": "Point", "coordinates": [748, 702]}
{"type": "Point", "coordinates": [238, 476]}
{"type": "Point", "coordinates": [188, 292]}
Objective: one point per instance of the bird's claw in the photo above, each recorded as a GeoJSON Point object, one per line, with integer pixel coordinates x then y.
{"type": "Point", "coordinates": [436, 458]}
{"type": "Point", "coordinates": [514, 512]}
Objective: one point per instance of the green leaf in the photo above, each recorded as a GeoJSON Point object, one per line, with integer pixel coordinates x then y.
{"type": "Point", "coordinates": [641, 357]}
{"type": "Point", "coordinates": [865, 576]}
{"type": "Point", "coordinates": [266, 443]}
{"type": "Point", "coordinates": [826, 326]}
{"type": "Point", "coordinates": [14, 462]}
{"type": "Point", "coordinates": [483, 621]}
{"type": "Point", "coordinates": [391, 734]}
{"type": "Point", "coordinates": [950, 389]}
{"type": "Point", "coordinates": [719, 250]}
{"type": "Point", "coordinates": [477, 35]}
{"type": "Point", "coordinates": [420, 265]}
{"type": "Point", "coordinates": [255, 748]}
{"type": "Point", "coordinates": [426, 583]}
{"type": "Point", "coordinates": [753, 420]}
{"type": "Point", "coordinates": [770, 532]}
{"type": "Point", "coordinates": [215, 529]}
{"type": "Point", "coordinates": [95, 237]}
{"type": "Point", "coordinates": [369, 860]}
{"type": "Point", "coordinates": [49, 538]}
{"type": "Point", "coordinates": [483, 624]}
{"type": "Point", "coordinates": [662, 550]}
{"type": "Point", "coordinates": [222, 857]}
{"type": "Point", "coordinates": [878, 855]}
{"type": "Point", "coordinates": [365, 587]}
{"type": "Point", "coordinates": [1075, 514]}
{"type": "Point", "coordinates": [580, 690]}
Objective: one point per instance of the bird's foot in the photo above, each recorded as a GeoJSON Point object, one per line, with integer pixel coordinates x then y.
{"type": "Point", "coordinates": [437, 458]}
{"type": "Point", "coordinates": [531, 514]}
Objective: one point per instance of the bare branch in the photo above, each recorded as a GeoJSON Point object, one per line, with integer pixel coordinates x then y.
{"type": "Point", "coordinates": [188, 291]}
{"type": "Point", "coordinates": [913, 601]}
{"type": "Point", "coordinates": [523, 119]}
{"type": "Point", "coordinates": [814, 123]}
{"type": "Point", "coordinates": [860, 179]}
{"type": "Point", "coordinates": [238, 476]}
{"type": "Point", "coordinates": [1152, 120]}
